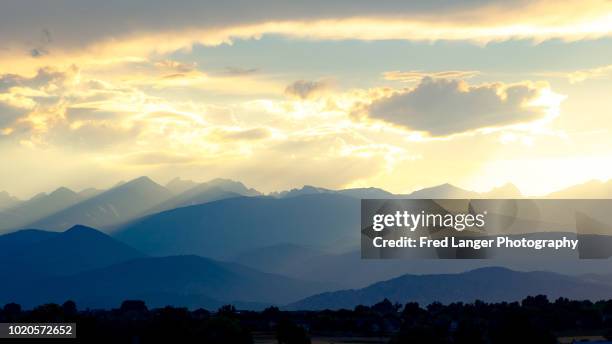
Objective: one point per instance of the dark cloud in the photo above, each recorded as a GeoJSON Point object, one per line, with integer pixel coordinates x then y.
{"type": "Point", "coordinates": [9, 80]}
{"type": "Point", "coordinates": [304, 89]}
{"type": "Point", "coordinates": [239, 71]}
{"type": "Point", "coordinates": [44, 77]}
{"type": "Point", "coordinates": [9, 114]}
{"type": "Point", "coordinates": [77, 23]}
{"type": "Point", "coordinates": [43, 42]}
{"type": "Point", "coordinates": [444, 107]}
{"type": "Point", "coordinates": [37, 52]}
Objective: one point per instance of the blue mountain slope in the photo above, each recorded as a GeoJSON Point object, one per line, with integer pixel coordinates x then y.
{"type": "Point", "coordinates": [78, 249]}
{"type": "Point", "coordinates": [227, 227]}
{"type": "Point", "coordinates": [178, 280]}
{"type": "Point", "coordinates": [486, 284]}
{"type": "Point", "coordinates": [14, 242]}
{"type": "Point", "coordinates": [195, 196]}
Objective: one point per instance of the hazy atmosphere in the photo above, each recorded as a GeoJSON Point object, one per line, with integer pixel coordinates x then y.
{"type": "Point", "coordinates": [306, 172]}
{"type": "Point", "coordinates": [389, 94]}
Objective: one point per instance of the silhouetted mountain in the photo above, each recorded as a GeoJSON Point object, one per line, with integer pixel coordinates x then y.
{"type": "Point", "coordinates": [15, 242]}
{"type": "Point", "coordinates": [350, 271]}
{"type": "Point", "coordinates": [78, 249]}
{"type": "Point", "coordinates": [38, 207]}
{"type": "Point", "coordinates": [179, 280]}
{"type": "Point", "coordinates": [355, 192]}
{"type": "Point", "coordinates": [486, 284]}
{"type": "Point", "coordinates": [7, 200]}
{"type": "Point", "coordinates": [117, 205]}
{"type": "Point", "coordinates": [305, 190]}
{"type": "Point", "coordinates": [230, 186]}
{"type": "Point", "coordinates": [362, 193]}
{"type": "Point", "coordinates": [591, 189]}
{"type": "Point", "coordinates": [224, 228]}
{"type": "Point", "coordinates": [214, 190]}
{"type": "Point", "coordinates": [442, 191]}
{"type": "Point", "coordinates": [435, 192]}
{"type": "Point", "coordinates": [450, 191]}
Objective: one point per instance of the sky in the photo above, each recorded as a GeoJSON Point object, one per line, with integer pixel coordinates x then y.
{"type": "Point", "coordinates": [278, 94]}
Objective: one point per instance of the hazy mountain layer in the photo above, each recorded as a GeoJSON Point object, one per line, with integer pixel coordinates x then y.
{"type": "Point", "coordinates": [38, 207]}
{"type": "Point", "coordinates": [117, 205]}
{"type": "Point", "coordinates": [228, 227]}
{"type": "Point", "coordinates": [486, 284]}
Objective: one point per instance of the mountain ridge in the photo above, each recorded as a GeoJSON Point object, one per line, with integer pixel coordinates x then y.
{"type": "Point", "coordinates": [490, 284]}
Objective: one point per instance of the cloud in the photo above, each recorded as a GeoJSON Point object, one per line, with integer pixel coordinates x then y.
{"type": "Point", "coordinates": [36, 52]}
{"type": "Point", "coordinates": [144, 28]}
{"type": "Point", "coordinates": [416, 76]}
{"type": "Point", "coordinates": [444, 107]}
{"type": "Point", "coordinates": [592, 73]}
{"type": "Point", "coordinates": [8, 115]}
{"type": "Point", "coordinates": [93, 136]}
{"type": "Point", "coordinates": [244, 134]}
{"type": "Point", "coordinates": [56, 106]}
{"type": "Point", "coordinates": [45, 79]}
{"type": "Point", "coordinates": [239, 71]}
{"type": "Point", "coordinates": [304, 89]}
{"type": "Point", "coordinates": [25, 101]}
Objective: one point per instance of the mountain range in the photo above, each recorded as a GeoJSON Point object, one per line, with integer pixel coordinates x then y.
{"type": "Point", "coordinates": [96, 270]}
{"type": "Point", "coordinates": [493, 284]}
{"type": "Point", "coordinates": [224, 228]}
{"type": "Point", "coordinates": [206, 244]}
{"type": "Point", "coordinates": [7, 201]}
{"type": "Point", "coordinates": [128, 201]}
{"type": "Point", "coordinates": [37, 254]}
{"type": "Point", "coordinates": [39, 206]}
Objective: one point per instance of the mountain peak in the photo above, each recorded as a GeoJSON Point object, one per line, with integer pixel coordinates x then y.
{"type": "Point", "coordinates": [62, 191]}
{"type": "Point", "coordinates": [445, 190]}
{"type": "Point", "coordinates": [179, 185]}
{"type": "Point", "coordinates": [140, 182]}
{"type": "Point", "coordinates": [141, 179]}
{"type": "Point", "coordinates": [4, 194]}
{"type": "Point", "coordinates": [304, 190]}
{"type": "Point", "coordinates": [7, 200]}
{"type": "Point", "coordinates": [507, 190]}
{"type": "Point", "coordinates": [232, 186]}
{"type": "Point", "coordinates": [82, 229]}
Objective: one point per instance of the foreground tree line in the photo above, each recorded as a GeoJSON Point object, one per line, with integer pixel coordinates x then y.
{"type": "Point", "coordinates": [534, 319]}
